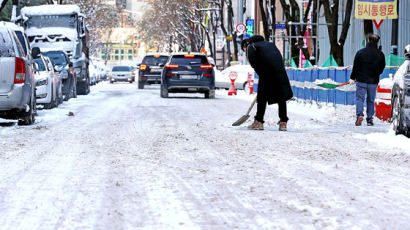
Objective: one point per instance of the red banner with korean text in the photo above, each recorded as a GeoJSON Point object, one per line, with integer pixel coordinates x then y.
{"type": "Point", "coordinates": [376, 9]}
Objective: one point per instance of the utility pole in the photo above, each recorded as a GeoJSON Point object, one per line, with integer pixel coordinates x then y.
{"type": "Point", "coordinates": [395, 33]}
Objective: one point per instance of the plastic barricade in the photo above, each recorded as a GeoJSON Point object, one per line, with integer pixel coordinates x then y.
{"type": "Point", "coordinates": [382, 103]}
{"type": "Point", "coordinates": [304, 87]}
{"type": "Point", "coordinates": [307, 79]}
{"type": "Point", "coordinates": [322, 93]}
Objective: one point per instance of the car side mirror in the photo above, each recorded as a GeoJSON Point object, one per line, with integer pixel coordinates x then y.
{"type": "Point", "coordinates": [56, 69]}
{"type": "Point", "coordinates": [70, 64]}
{"type": "Point", "coordinates": [161, 65]}
{"type": "Point", "coordinates": [35, 52]}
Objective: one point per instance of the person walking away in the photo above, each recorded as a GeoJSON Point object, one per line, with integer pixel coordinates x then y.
{"type": "Point", "coordinates": [369, 63]}
{"type": "Point", "coordinates": [274, 86]}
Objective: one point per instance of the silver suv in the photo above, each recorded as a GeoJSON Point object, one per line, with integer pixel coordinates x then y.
{"type": "Point", "coordinates": [17, 83]}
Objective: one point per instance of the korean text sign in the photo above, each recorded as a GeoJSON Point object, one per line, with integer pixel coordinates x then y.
{"type": "Point", "coordinates": [376, 9]}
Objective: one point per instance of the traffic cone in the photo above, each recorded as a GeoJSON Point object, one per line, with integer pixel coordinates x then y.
{"type": "Point", "coordinates": [232, 89]}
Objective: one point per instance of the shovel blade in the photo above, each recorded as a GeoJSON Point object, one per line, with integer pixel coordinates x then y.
{"type": "Point", "coordinates": [328, 85]}
{"type": "Point", "coordinates": [241, 120]}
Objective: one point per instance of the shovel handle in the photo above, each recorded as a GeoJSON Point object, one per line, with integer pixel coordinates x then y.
{"type": "Point", "coordinates": [250, 108]}
{"type": "Point", "coordinates": [346, 83]}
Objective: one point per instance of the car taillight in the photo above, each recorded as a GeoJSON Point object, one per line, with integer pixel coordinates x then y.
{"type": "Point", "coordinates": [20, 71]}
{"type": "Point", "coordinates": [206, 66]}
{"type": "Point", "coordinates": [208, 75]}
{"type": "Point", "coordinates": [143, 67]}
{"type": "Point", "coordinates": [189, 56]}
{"type": "Point", "coordinates": [171, 66]}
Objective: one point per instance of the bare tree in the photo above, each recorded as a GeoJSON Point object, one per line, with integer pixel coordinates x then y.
{"type": "Point", "coordinates": [332, 19]}
{"type": "Point", "coordinates": [292, 14]}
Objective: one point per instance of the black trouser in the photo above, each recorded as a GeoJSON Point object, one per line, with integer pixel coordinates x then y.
{"type": "Point", "coordinates": [261, 108]}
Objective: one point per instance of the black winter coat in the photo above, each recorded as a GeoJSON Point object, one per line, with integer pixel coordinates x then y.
{"type": "Point", "coordinates": [266, 60]}
{"type": "Point", "coordinates": [368, 64]}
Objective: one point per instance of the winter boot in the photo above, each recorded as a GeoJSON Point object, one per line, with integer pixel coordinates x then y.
{"type": "Point", "coordinates": [257, 125]}
{"type": "Point", "coordinates": [282, 126]}
{"type": "Point", "coordinates": [359, 120]}
{"type": "Point", "coordinates": [370, 122]}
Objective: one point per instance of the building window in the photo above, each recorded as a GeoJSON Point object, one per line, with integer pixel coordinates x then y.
{"type": "Point", "coordinates": [117, 55]}
{"type": "Point", "coordinates": [122, 54]}
{"type": "Point", "coordinates": [129, 54]}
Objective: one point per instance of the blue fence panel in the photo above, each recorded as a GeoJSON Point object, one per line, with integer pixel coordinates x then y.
{"type": "Point", "coordinates": [350, 96]}
{"type": "Point", "coordinates": [299, 78]}
{"type": "Point", "coordinates": [341, 95]}
{"type": "Point", "coordinates": [307, 92]}
{"type": "Point", "coordinates": [291, 75]}
{"type": "Point", "coordinates": [303, 81]}
{"type": "Point", "coordinates": [314, 76]}
{"type": "Point", "coordinates": [331, 94]}
{"type": "Point", "coordinates": [322, 93]}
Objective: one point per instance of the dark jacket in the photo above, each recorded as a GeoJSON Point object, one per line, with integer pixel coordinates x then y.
{"type": "Point", "coordinates": [368, 64]}
{"type": "Point", "coordinates": [266, 60]}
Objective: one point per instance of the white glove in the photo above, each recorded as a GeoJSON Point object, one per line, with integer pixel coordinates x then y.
{"type": "Point", "coordinates": [351, 81]}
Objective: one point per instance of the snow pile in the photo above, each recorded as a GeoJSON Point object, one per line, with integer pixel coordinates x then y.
{"type": "Point", "coordinates": [386, 83]}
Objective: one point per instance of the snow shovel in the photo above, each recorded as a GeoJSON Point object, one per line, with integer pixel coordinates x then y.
{"type": "Point", "coordinates": [245, 117]}
{"type": "Point", "coordinates": [332, 86]}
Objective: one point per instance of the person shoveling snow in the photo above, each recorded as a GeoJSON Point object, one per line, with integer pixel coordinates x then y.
{"type": "Point", "coordinates": [274, 86]}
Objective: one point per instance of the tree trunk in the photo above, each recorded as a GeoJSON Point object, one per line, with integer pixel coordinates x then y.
{"type": "Point", "coordinates": [264, 20]}
{"type": "Point", "coordinates": [314, 32]}
{"type": "Point", "coordinates": [3, 4]}
{"type": "Point", "coordinates": [332, 17]}
{"type": "Point", "coordinates": [367, 27]}
{"type": "Point", "coordinates": [273, 15]}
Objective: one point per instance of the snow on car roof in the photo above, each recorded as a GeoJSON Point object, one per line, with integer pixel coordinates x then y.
{"type": "Point", "coordinates": [50, 10]}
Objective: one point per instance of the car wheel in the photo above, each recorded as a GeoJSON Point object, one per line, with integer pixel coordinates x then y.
{"type": "Point", "coordinates": [397, 116]}
{"type": "Point", "coordinates": [164, 92]}
{"type": "Point", "coordinates": [140, 85]}
{"type": "Point", "coordinates": [111, 82]}
{"type": "Point", "coordinates": [29, 117]}
{"type": "Point", "coordinates": [210, 94]}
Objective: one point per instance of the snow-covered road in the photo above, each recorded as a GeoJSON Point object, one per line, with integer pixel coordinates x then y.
{"type": "Point", "coordinates": [129, 159]}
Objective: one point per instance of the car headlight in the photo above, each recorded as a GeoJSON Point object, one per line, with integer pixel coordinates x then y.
{"type": "Point", "coordinates": [77, 71]}
{"type": "Point", "coordinates": [42, 82]}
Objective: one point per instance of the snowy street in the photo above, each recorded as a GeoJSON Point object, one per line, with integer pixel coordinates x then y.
{"type": "Point", "coordinates": [129, 159]}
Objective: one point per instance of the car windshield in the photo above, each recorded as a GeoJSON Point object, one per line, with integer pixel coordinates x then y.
{"type": "Point", "coordinates": [152, 60]}
{"type": "Point", "coordinates": [57, 58]}
{"type": "Point", "coordinates": [40, 63]}
{"type": "Point", "coordinates": [121, 69]}
{"type": "Point", "coordinates": [67, 21]}
{"type": "Point", "coordinates": [181, 60]}
{"type": "Point", "coordinates": [6, 46]}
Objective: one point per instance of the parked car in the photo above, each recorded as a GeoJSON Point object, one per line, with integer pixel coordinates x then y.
{"type": "Point", "coordinates": [188, 73]}
{"type": "Point", "coordinates": [401, 97]}
{"type": "Point", "coordinates": [122, 73]}
{"type": "Point", "coordinates": [17, 83]}
{"type": "Point", "coordinates": [49, 91]}
{"type": "Point", "coordinates": [223, 81]}
{"type": "Point", "coordinates": [94, 74]}
{"type": "Point", "coordinates": [151, 68]}
{"type": "Point", "coordinates": [64, 66]}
